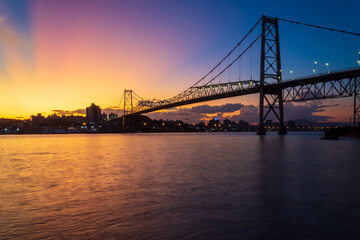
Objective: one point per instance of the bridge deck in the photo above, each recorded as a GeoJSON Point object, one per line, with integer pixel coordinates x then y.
{"type": "Point", "coordinates": [346, 74]}
{"type": "Point", "coordinates": [233, 89]}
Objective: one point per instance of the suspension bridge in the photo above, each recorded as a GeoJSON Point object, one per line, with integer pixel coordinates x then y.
{"type": "Point", "coordinates": [272, 90]}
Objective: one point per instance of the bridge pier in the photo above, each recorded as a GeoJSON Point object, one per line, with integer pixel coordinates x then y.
{"type": "Point", "coordinates": [282, 130]}
{"type": "Point", "coordinates": [261, 131]}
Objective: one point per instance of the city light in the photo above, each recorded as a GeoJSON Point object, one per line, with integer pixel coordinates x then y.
{"type": "Point", "coordinates": [327, 67]}
{"type": "Point", "coordinates": [291, 74]}
{"type": "Point", "coordinates": [314, 70]}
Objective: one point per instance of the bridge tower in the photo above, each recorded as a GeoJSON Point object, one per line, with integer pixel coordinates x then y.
{"type": "Point", "coordinates": [128, 104]}
{"type": "Point", "coordinates": [270, 72]}
{"type": "Point", "coordinates": [356, 101]}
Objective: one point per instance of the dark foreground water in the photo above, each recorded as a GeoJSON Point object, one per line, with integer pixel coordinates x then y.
{"type": "Point", "coordinates": [179, 186]}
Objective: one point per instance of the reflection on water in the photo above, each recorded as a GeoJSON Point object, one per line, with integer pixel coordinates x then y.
{"type": "Point", "coordinates": [179, 186]}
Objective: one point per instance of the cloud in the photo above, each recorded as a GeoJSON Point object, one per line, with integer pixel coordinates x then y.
{"type": "Point", "coordinates": [306, 111]}
{"type": "Point", "coordinates": [21, 117]}
{"type": "Point", "coordinates": [197, 113]}
{"type": "Point", "coordinates": [226, 108]}
{"type": "Point", "coordinates": [238, 111]}
{"type": "Point", "coordinates": [112, 109]}
{"type": "Point", "coordinates": [69, 112]}
{"type": "Point", "coordinates": [184, 114]}
{"type": "Point", "coordinates": [83, 111]}
{"type": "Point", "coordinates": [248, 113]}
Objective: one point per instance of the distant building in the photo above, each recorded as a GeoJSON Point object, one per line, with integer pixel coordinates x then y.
{"type": "Point", "coordinates": [214, 124]}
{"type": "Point", "coordinates": [271, 126]}
{"type": "Point", "coordinates": [112, 115]}
{"type": "Point", "coordinates": [243, 126]}
{"type": "Point", "coordinates": [38, 117]}
{"type": "Point", "coordinates": [229, 125]}
{"type": "Point", "coordinates": [37, 120]}
{"type": "Point", "coordinates": [93, 114]}
{"type": "Point", "coordinates": [291, 125]}
{"type": "Point", "coordinates": [103, 117]}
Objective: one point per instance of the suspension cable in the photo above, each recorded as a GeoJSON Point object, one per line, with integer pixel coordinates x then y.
{"type": "Point", "coordinates": [235, 59]}
{"type": "Point", "coordinates": [137, 96]}
{"type": "Point", "coordinates": [121, 99]}
{"type": "Point", "coordinates": [320, 27]}
{"type": "Point", "coordinates": [228, 53]}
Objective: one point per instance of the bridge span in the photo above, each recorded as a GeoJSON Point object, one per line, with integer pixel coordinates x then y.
{"type": "Point", "coordinates": [273, 91]}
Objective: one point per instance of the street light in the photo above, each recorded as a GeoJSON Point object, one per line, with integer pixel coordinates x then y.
{"type": "Point", "coordinates": [358, 61]}
{"type": "Point", "coordinates": [327, 67]}
{"type": "Point", "coordinates": [314, 70]}
{"type": "Point", "coordinates": [291, 74]}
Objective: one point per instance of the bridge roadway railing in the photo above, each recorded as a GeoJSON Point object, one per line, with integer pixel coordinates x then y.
{"type": "Point", "coordinates": [319, 86]}
{"type": "Point", "coordinates": [200, 94]}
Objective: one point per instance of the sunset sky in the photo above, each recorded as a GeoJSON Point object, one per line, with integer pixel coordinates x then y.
{"type": "Point", "coordinates": [64, 55]}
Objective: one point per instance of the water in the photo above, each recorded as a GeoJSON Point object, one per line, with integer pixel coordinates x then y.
{"type": "Point", "coordinates": [179, 186]}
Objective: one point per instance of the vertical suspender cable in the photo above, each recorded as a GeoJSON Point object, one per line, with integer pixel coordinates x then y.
{"type": "Point", "coordinates": [239, 65]}
{"type": "Point", "coordinates": [121, 100]}
{"type": "Point", "coordinates": [251, 56]}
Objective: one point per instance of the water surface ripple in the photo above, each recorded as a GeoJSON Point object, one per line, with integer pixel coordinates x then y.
{"type": "Point", "coordinates": [179, 186]}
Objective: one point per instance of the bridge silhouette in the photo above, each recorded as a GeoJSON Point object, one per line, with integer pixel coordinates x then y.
{"type": "Point", "coordinates": [273, 91]}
